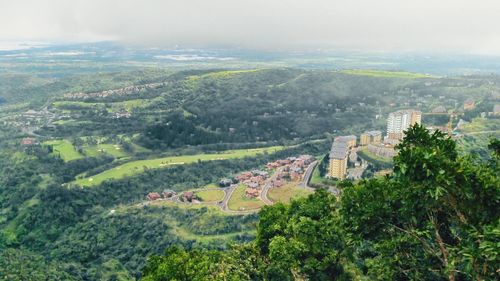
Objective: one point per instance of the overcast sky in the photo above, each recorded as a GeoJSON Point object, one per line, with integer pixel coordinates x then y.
{"type": "Point", "coordinates": [470, 26]}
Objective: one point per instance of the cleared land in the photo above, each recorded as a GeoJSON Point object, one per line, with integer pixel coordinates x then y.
{"type": "Point", "coordinates": [239, 202]}
{"type": "Point", "coordinates": [65, 149]}
{"type": "Point", "coordinates": [387, 74]}
{"type": "Point", "coordinates": [287, 192]}
{"type": "Point", "coordinates": [105, 148]}
{"type": "Point", "coordinates": [210, 195]}
{"type": "Point", "coordinates": [136, 167]}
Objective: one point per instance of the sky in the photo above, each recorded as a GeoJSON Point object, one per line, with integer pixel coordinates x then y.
{"type": "Point", "coordinates": [464, 26]}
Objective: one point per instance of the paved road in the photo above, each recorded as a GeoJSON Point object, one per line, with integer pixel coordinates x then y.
{"type": "Point", "coordinates": [307, 175]}
{"type": "Point", "coordinates": [227, 195]}
{"type": "Point", "coordinates": [267, 186]}
{"type": "Point", "coordinates": [228, 192]}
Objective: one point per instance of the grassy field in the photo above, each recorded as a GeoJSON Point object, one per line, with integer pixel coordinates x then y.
{"type": "Point", "coordinates": [228, 73]}
{"type": "Point", "coordinates": [386, 74]}
{"type": "Point", "coordinates": [65, 149]}
{"type": "Point", "coordinates": [370, 157]}
{"type": "Point", "coordinates": [105, 148]}
{"type": "Point", "coordinates": [288, 192]}
{"type": "Point", "coordinates": [239, 202]}
{"type": "Point", "coordinates": [210, 195]}
{"type": "Point", "coordinates": [481, 125]}
{"type": "Point", "coordinates": [76, 104]}
{"type": "Point", "coordinates": [136, 167]}
{"type": "Point", "coordinates": [316, 177]}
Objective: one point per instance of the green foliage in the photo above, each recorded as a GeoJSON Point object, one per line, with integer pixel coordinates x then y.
{"type": "Point", "coordinates": [300, 240]}
{"type": "Point", "coordinates": [178, 264]}
{"type": "Point", "coordinates": [415, 223]}
{"type": "Point", "coordinates": [19, 265]}
{"type": "Point", "coordinates": [306, 239]}
{"type": "Point", "coordinates": [435, 218]}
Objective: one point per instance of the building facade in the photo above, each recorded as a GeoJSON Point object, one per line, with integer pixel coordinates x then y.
{"type": "Point", "coordinates": [400, 121]}
{"type": "Point", "coordinates": [350, 140]}
{"type": "Point", "coordinates": [369, 137]}
{"type": "Point", "coordinates": [338, 157]}
{"type": "Point", "coordinates": [338, 168]}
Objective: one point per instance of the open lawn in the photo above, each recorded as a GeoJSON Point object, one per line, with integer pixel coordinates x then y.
{"type": "Point", "coordinates": [105, 148]}
{"type": "Point", "coordinates": [76, 105]}
{"type": "Point", "coordinates": [210, 195]}
{"type": "Point", "coordinates": [387, 74]}
{"type": "Point", "coordinates": [228, 73]}
{"type": "Point", "coordinates": [136, 167]}
{"type": "Point", "coordinates": [239, 201]}
{"type": "Point", "coordinates": [287, 192]}
{"type": "Point", "coordinates": [316, 177]}
{"type": "Point", "coordinates": [65, 149]}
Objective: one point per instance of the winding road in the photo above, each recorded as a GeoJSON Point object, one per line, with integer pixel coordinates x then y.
{"type": "Point", "coordinates": [228, 192]}
{"type": "Point", "coordinates": [308, 174]}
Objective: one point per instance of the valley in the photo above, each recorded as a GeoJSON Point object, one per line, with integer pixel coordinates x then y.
{"type": "Point", "coordinates": [155, 158]}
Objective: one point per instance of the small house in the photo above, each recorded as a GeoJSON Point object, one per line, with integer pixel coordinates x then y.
{"type": "Point", "coordinates": [152, 196]}
{"type": "Point", "coordinates": [251, 193]}
{"type": "Point", "coordinates": [188, 196]}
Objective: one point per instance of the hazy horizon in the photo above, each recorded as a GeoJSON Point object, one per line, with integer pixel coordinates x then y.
{"type": "Point", "coordinates": [459, 26]}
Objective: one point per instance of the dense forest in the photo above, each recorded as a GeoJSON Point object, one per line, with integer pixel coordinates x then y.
{"type": "Point", "coordinates": [435, 218]}
{"type": "Point", "coordinates": [54, 227]}
{"type": "Point", "coordinates": [73, 229]}
{"type": "Point", "coordinates": [213, 106]}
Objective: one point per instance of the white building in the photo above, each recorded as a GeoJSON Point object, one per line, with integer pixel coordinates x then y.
{"type": "Point", "coordinates": [400, 121]}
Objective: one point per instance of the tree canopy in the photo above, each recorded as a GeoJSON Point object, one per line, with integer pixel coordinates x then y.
{"type": "Point", "coordinates": [436, 217]}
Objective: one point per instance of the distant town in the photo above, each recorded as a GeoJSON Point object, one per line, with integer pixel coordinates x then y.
{"type": "Point", "coordinates": [344, 148]}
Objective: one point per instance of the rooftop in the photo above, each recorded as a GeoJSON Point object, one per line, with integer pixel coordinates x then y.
{"type": "Point", "coordinates": [345, 138]}
{"type": "Point", "coordinates": [339, 150]}
{"type": "Point", "coordinates": [373, 133]}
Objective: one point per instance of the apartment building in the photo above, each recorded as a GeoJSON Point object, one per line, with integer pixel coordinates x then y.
{"type": "Point", "coordinates": [400, 121]}
{"type": "Point", "coordinates": [370, 137]}
{"type": "Point", "coordinates": [338, 159]}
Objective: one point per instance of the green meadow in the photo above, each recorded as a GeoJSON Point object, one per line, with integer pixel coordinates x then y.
{"type": "Point", "coordinates": [288, 192]}
{"type": "Point", "coordinates": [240, 202]}
{"type": "Point", "coordinates": [386, 74]}
{"type": "Point", "coordinates": [136, 167]}
{"type": "Point", "coordinates": [105, 148]}
{"type": "Point", "coordinates": [65, 149]}
{"type": "Point", "coordinates": [210, 195]}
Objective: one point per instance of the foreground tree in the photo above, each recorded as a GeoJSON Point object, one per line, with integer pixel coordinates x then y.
{"type": "Point", "coordinates": [303, 239]}
{"type": "Point", "coordinates": [435, 218]}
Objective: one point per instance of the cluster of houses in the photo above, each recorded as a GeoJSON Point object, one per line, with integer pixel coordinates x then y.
{"type": "Point", "coordinates": [291, 168]}
{"type": "Point", "coordinates": [166, 194]}
{"type": "Point", "coordinates": [130, 90]}
{"type": "Point", "coordinates": [254, 181]}
{"type": "Point", "coordinates": [186, 196]}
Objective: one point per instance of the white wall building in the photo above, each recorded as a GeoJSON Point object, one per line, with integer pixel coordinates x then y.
{"type": "Point", "coordinates": [400, 121]}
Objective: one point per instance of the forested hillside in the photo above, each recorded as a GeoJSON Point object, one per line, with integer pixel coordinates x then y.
{"type": "Point", "coordinates": [80, 154]}
{"type": "Point", "coordinates": [435, 218]}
